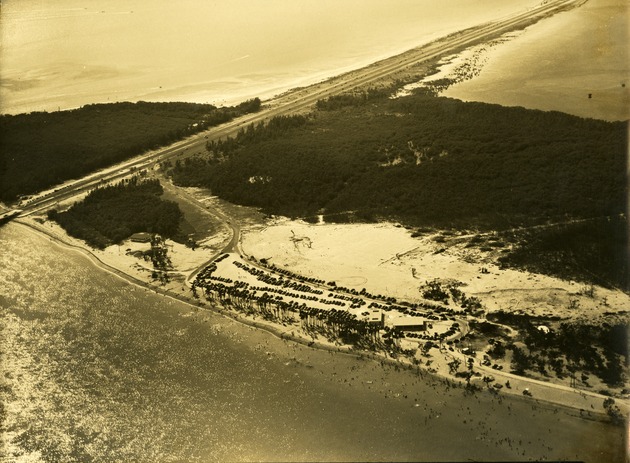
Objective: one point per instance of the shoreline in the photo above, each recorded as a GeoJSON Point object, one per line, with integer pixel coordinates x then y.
{"type": "Point", "coordinates": [568, 404]}
{"type": "Point", "coordinates": [214, 365]}
{"type": "Point", "coordinates": [501, 77]}
{"type": "Point", "coordinates": [198, 92]}
{"type": "Point", "coordinates": [126, 272]}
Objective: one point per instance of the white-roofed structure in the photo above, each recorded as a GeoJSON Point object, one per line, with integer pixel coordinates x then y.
{"type": "Point", "coordinates": [410, 323]}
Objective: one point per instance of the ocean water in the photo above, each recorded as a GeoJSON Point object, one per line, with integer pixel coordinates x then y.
{"type": "Point", "coordinates": [557, 63]}
{"type": "Point", "coordinates": [66, 53]}
{"type": "Point", "coordinates": [95, 369]}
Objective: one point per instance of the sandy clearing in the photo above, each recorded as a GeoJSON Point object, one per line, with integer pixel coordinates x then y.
{"type": "Point", "coordinates": [121, 257]}
{"type": "Point", "coordinates": [385, 259]}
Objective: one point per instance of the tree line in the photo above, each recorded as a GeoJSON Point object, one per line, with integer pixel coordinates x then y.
{"type": "Point", "coordinates": [42, 149]}
{"type": "Point", "coordinates": [254, 133]}
{"type": "Point", "coordinates": [568, 348]}
{"type": "Point", "coordinates": [333, 324]}
{"type": "Point", "coordinates": [593, 251]}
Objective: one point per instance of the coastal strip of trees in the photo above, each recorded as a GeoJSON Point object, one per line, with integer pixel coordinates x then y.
{"type": "Point", "coordinates": [589, 348]}
{"type": "Point", "coordinates": [42, 149]}
{"type": "Point", "coordinates": [531, 346]}
{"type": "Point", "coordinates": [279, 306]}
{"type": "Point", "coordinates": [111, 214]}
{"type": "Point", "coordinates": [283, 296]}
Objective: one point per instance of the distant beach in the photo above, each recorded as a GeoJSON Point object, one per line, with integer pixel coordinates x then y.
{"type": "Point", "coordinates": [576, 62]}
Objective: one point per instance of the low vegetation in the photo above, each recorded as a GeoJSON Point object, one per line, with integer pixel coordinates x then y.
{"type": "Point", "coordinates": [111, 214]}
{"type": "Point", "coordinates": [42, 149]}
{"type": "Point", "coordinates": [593, 251]}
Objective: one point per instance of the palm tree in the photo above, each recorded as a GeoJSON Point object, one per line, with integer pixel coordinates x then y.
{"type": "Point", "coordinates": [454, 366]}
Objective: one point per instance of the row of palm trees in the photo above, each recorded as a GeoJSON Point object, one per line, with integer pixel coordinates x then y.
{"type": "Point", "coordinates": [206, 276]}
{"type": "Point", "coordinates": [334, 324]}
{"type": "Point", "coordinates": [270, 303]}
{"type": "Point", "coordinates": [341, 325]}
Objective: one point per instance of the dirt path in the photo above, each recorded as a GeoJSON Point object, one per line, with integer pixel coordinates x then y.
{"type": "Point", "coordinates": [231, 245]}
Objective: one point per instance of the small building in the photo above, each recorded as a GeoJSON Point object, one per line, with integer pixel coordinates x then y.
{"type": "Point", "coordinates": [375, 317]}
{"type": "Point", "coordinates": [410, 324]}
{"type": "Point", "coordinates": [142, 237]}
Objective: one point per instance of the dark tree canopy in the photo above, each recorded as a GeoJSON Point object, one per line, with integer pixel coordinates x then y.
{"type": "Point", "coordinates": [111, 214]}
{"type": "Point", "coordinates": [424, 160]}
{"type": "Point", "coordinates": [430, 161]}
{"type": "Point", "coordinates": [42, 149]}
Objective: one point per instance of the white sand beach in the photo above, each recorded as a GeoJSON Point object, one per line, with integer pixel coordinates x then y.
{"type": "Point", "coordinates": [385, 259]}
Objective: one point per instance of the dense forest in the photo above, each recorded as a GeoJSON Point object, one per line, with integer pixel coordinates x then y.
{"type": "Point", "coordinates": [594, 251]}
{"type": "Point", "coordinates": [111, 214]}
{"type": "Point", "coordinates": [42, 149]}
{"type": "Point", "coordinates": [424, 161]}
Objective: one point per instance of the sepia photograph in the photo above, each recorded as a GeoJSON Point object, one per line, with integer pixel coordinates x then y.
{"type": "Point", "coordinates": [314, 231]}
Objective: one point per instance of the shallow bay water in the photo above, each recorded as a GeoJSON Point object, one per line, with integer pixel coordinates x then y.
{"type": "Point", "coordinates": [96, 369]}
{"type": "Point", "coordinates": [576, 62]}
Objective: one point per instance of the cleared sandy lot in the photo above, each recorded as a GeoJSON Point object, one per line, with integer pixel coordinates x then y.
{"type": "Point", "coordinates": [385, 259]}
